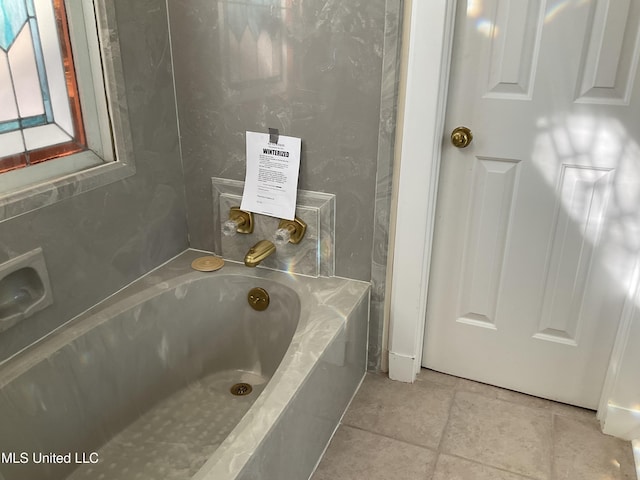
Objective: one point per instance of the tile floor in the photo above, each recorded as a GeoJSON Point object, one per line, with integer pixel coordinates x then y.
{"type": "Point", "coordinates": [448, 428]}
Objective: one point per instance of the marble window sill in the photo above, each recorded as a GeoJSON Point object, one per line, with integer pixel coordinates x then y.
{"type": "Point", "coordinates": [86, 171]}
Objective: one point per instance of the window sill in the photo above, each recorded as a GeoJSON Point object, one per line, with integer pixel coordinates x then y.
{"type": "Point", "coordinates": [57, 180]}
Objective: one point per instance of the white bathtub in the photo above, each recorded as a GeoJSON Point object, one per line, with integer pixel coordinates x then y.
{"type": "Point", "coordinates": [138, 387]}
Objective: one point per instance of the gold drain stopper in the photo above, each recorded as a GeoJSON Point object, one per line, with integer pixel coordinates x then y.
{"type": "Point", "coordinates": [207, 264]}
{"type": "Point", "coordinates": [240, 389]}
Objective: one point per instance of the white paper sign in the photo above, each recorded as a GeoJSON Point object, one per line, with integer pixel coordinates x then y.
{"type": "Point", "coordinates": [271, 182]}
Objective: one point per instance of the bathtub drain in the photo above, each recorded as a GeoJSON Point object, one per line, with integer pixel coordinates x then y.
{"type": "Point", "coordinates": [241, 389]}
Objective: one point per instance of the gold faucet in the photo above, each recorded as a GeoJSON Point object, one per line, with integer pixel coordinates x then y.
{"type": "Point", "coordinates": [258, 253]}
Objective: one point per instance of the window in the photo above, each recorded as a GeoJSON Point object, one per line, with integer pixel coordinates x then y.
{"type": "Point", "coordinates": [58, 135]}
{"type": "Point", "coordinates": [40, 116]}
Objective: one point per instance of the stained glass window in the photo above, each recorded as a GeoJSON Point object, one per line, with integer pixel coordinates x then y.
{"type": "Point", "coordinates": [40, 116]}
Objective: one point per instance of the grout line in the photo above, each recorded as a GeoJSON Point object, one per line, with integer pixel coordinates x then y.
{"type": "Point", "coordinates": [470, 460]}
{"type": "Point", "coordinates": [447, 423]}
{"type": "Point", "coordinates": [338, 425]}
{"type": "Point", "coordinates": [554, 417]}
{"type": "Point", "coordinates": [435, 384]}
{"type": "Point", "coordinates": [362, 429]}
{"type": "Point", "coordinates": [178, 124]}
{"type": "Point", "coordinates": [457, 387]}
{"type": "Point", "coordinates": [435, 466]}
{"type": "Point", "coordinates": [545, 409]}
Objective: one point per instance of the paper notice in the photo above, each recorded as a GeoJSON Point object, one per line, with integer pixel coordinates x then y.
{"type": "Point", "coordinates": [271, 182]}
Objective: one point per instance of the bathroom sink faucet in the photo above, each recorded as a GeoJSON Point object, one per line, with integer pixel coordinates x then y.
{"type": "Point", "coordinates": [259, 252]}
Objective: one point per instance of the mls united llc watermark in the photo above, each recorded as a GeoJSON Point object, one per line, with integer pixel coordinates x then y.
{"type": "Point", "coordinates": [51, 457]}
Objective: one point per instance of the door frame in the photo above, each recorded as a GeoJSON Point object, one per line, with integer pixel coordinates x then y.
{"type": "Point", "coordinates": [425, 79]}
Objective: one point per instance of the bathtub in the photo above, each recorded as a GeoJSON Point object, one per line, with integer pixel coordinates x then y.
{"type": "Point", "coordinates": [140, 385]}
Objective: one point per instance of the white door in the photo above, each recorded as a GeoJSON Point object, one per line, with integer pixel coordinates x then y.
{"type": "Point", "coordinates": [537, 224]}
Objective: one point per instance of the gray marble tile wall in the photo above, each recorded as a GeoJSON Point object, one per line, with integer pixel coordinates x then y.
{"type": "Point", "coordinates": [384, 177]}
{"type": "Point", "coordinates": [96, 242]}
{"type": "Point", "coordinates": [322, 70]}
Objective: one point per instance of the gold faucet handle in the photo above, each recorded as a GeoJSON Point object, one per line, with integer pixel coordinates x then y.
{"type": "Point", "coordinates": [290, 231]}
{"type": "Point", "coordinates": [239, 222]}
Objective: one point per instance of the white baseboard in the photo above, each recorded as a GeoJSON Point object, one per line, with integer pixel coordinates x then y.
{"type": "Point", "coordinates": [402, 368]}
{"type": "Point", "coordinates": [622, 423]}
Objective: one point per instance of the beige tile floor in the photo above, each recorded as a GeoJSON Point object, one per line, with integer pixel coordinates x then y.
{"type": "Point", "coordinates": [447, 428]}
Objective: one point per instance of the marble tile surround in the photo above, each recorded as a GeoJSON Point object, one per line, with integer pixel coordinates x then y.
{"type": "Point", "coordinates": [340, 97]}
{"type": "Point", "coordinates": [391, 57]}
{"type": "Point", "coordinates": [101, 239]}
{"type": "Point", "coordinates": [313, 256]}
{"type": "Point", "coordinates": [337, 91]}
{"type": "Point", "coordinates": [326, 91]}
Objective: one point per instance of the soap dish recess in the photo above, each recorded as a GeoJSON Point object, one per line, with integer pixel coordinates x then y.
{"type": "Point", "coordinates": [24, 288]}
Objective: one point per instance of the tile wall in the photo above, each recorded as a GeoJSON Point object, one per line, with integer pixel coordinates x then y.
{"type": "Point", "coordinates": [322, 70]}
{"type": "Point", "coordinates": [96, 242]}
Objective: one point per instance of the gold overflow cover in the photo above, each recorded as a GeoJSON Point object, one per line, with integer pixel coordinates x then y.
{"type": "Point", "coordinates": [207, 264]}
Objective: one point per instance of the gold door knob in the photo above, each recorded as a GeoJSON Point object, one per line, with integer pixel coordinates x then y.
{"type": "Point", "coordinates": [461, 137]}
